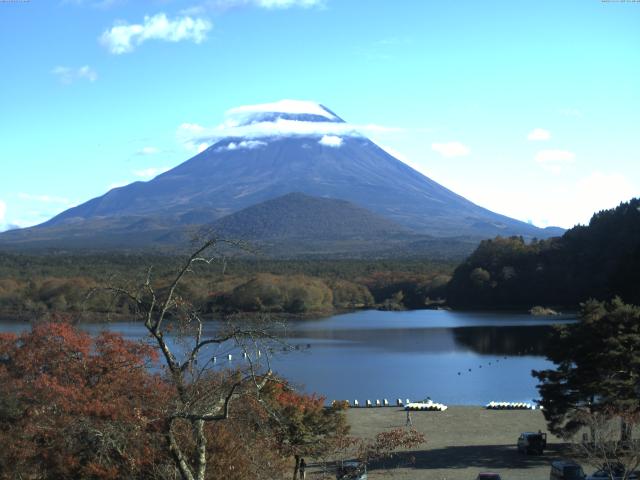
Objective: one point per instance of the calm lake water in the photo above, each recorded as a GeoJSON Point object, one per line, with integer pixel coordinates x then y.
{"type": "Point", "coordinates": [452, 357]}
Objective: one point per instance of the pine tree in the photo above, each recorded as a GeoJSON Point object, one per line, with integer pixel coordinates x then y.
{"type": "Point", "coordinates": [597, 366]}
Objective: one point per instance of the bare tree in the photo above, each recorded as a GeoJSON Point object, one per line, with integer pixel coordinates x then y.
{"type": "Point", "coordinates": [610, 441]}
{"type": "Point", "coordinates": [200, 396]}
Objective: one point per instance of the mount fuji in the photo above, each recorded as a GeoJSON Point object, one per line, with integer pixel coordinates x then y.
{"type": "Point", "coordinates": [261, 153]}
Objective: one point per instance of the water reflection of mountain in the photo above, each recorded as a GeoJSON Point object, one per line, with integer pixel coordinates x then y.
{"type": "Point", "coordinates": [416, 340]}
{"type": "Point", "coordinates": [485, 340]}
{"type": "Point", "coordinates": [528, 340]}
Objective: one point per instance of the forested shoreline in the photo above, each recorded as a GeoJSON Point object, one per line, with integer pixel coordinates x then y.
{"type": "Point", "coordinates": [599, 261]}
{"type": "Point", "coordinates": [34, 286]}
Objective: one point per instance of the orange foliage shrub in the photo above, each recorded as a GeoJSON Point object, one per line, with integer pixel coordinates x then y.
{"type": "Point", "coordinates": [76, 406]}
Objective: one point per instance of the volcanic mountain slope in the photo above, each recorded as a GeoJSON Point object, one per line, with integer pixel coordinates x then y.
{"type": "Point", "coordinates": [267, 152]}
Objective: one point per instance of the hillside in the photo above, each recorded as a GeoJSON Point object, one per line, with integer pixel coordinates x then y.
{"type": "Point", "coordinates": [600, 261]}
{"type": "Point", "coordinates": [296, 215]}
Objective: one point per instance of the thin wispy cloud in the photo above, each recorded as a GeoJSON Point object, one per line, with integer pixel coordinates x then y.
{"type": "Point", "coordinates": [3, 210]}
{"type": "Point", "coordinates": [151, 172]}
{"type": "Point", "coordinates": [243, 145]}
{"type": "Point", "coordinates": [601, 190]}
{"type": "Point", "coordinates": [284, 3]}
{"type": "Point", "coordinates": [571, 112]}
{"type": "Point", "coordinates": [451, 149]}
{"type": "Point", "coordinates": [555, 156]}
{"type": "Point", "coordinates": [103, 4]}
{"type": "Point", "coordinates": [44, 198]}
{"type": "Point", "coordinates": [539, 134]}
{"type": "Point", "coordinates": [117, 185]}
{"type": "Point", "coordinates": [555, 160]}
{"type": "Point", "coordinates": [394, 153]}
{"type": "Point", "coordinates": [266, 4]}
{"type": "Point", "coordinates": [69, 75]}
{"type": "Point", "coordinates": [148, 151]}
{"type": "Point", "coordinates": [124, 38]}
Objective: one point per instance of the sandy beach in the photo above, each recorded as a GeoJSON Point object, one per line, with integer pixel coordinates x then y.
{"type": "Point", "coordinates": [461, 442]}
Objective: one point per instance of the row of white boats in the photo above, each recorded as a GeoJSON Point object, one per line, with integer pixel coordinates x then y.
{"type": "Point", "coordinates": [511, 406]}
{"type": "Point", "coordinates": [426, 405]}
{"type": "Point", "coordinates": [431, 406]}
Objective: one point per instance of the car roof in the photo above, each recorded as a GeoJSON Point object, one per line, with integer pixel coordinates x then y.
{"type": "Point", "coordinates": [564, 463]}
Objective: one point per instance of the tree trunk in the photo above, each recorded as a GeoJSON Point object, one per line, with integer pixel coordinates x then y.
{"type": "Point", "coordinates": [296, 467]}
{"type": "Point", "coordinates": [201, 445]}
{"type": "Point", "coordinates": [625, 432]}
{"type": "Point", "coordinates": [176, 453]}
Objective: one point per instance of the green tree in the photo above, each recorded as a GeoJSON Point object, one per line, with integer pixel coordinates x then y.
{"type": "Point", "coordinates": [597, 366]}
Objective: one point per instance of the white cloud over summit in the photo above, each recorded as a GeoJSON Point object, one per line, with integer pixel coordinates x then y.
{"type": "Point", "coordinates": [245, 122]}
{"type": "Point", "coordinates": [239, 115]}
{"type": "Point", "coordinates": [124, 37]}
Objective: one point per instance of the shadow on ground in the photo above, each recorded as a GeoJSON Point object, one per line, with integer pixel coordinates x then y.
{"type": "Point", "coordinates": [483, 457]}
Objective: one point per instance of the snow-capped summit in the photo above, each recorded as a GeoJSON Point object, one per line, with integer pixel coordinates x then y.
{"type": "Point", "coordinates": [295, 110]}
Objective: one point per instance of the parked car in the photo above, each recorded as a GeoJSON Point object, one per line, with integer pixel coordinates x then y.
{"type": "Point", "coordinates": [488, 476]}
{"type": "Point", "coordinates": [351, 471]}
{"type": "Point", "coordinates": [532, 442]}
{"type": "Point", "coordinates": [566, 470]}
{"type": "Point", "coordinates": [617, 470]}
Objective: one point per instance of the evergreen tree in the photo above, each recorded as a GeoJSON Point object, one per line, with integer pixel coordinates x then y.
{"type": "Point", "coordinates": [597, 366]}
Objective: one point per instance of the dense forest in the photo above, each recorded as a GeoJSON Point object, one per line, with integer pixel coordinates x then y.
{"type": "Point", "coordinates": [600, 261]}
{"type": "Point", "coordinates": [36, 285]}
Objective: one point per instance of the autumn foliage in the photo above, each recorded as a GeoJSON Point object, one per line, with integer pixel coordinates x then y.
{"type": "Point", "coordinates": [77, 406]}
{"type": "Point", "coordinates": [302, 425]}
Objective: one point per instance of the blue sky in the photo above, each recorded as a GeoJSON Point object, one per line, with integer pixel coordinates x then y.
{"type": "Point", "coordinates": [531, 109]}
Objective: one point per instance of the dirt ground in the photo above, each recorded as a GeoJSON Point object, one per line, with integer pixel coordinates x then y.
{"type": "Point", "coordinates": [461, 442]}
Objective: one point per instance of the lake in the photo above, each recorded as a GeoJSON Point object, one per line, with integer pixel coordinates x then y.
{"type": "Point", "coordinates": [457, 358]}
